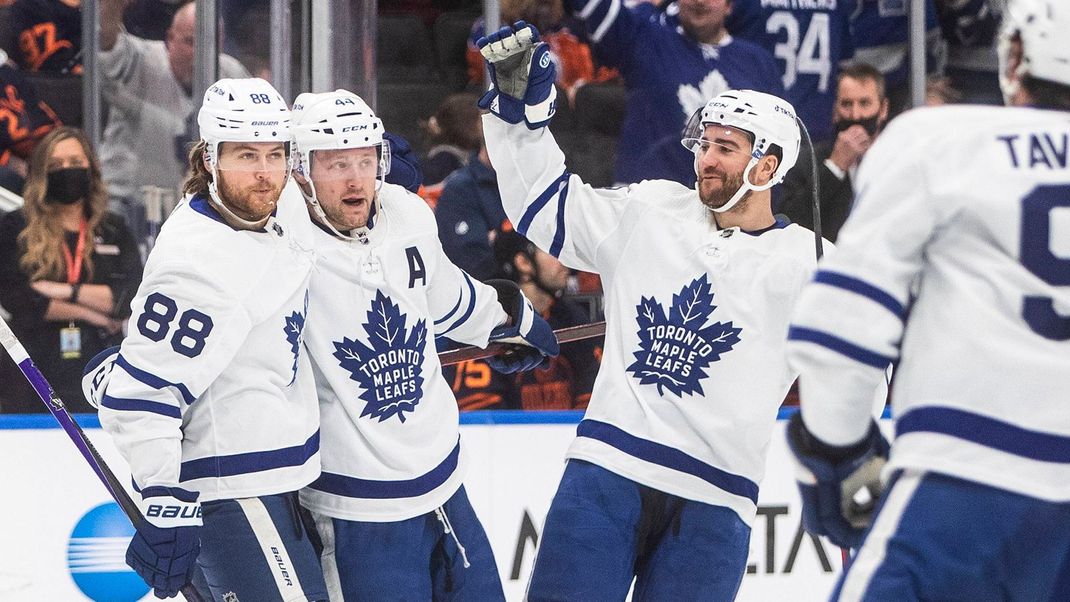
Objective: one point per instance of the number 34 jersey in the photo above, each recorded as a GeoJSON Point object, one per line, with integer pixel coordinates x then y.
{"type": "Point", "coordinates": [391, 448]}
{"type": "Point", "coordinates": [956, 263]}
{"type": "Point", "coordinates": [211, 391]}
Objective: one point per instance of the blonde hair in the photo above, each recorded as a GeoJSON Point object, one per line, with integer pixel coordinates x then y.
{"type": "Point", "coordinates": [43, 238]}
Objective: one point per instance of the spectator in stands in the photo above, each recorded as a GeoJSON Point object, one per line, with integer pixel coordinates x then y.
{"type": "Point", "coordinates": [810, 40]}
{"type": "Point", "coordinates": [470, 215]}
{"type": "Point", "coordinates": [44, 35]}
{"type": "Point", "coordinates": [575, 65]}
{"type": "Point", "coordinates": [567, 382]}
{"type": "Point", "coordinates": [860, 113]}
{"type": "Point", "coordinates": [25, 120]}
{"type": "Point", "coordinates": [672, 62]}
{"type": "Point", "coordinates": [150, 19]}
{"type": "Point", "coordinates": [148, 87]}
{"type": "Point", "coordinates": [881, 34]}
{"type": "Point", "coordinates": [454, 134]}
{"type": "Point", "coordinates": [68, 268]}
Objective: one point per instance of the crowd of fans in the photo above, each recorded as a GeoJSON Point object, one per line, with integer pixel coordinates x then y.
{"type": "Point", "coordinates": [71, 255]}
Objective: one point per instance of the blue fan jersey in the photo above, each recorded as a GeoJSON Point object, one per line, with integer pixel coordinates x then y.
{"type": "Point", "coordinates": [809, 38]}
{"type": "Point", "coordinates": [668, 77]}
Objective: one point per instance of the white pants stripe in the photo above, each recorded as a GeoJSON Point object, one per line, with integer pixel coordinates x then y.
{"type": "Point", "coordinates": [325, 528]}
{"type": "Point", "coordinates": [274, 550]}
{"type": "Point", "coordinates": [875, 548]}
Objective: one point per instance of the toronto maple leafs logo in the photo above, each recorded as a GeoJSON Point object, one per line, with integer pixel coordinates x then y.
{"type": "Point", "coordinates": [693, 98]}
{"type": "Point", "coordinates": [389, 368]}
{"type": "Point", "coordinates": [675, 350]}
{"type": "Point", "coordinates": [295, 325]}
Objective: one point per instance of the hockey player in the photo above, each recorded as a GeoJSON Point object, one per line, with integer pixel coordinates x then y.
{"type": "Point", "coordinates": [390, 506]}
{"type": "Point", "coordinates": [662, 479]}
{"type": "Point", "coordinates": [955, 265]}
{"type": "Point", "coordinates": [211, 399]}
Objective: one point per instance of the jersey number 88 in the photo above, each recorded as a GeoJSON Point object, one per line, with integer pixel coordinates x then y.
{"type": "Point", "coordinates": [193, 326]}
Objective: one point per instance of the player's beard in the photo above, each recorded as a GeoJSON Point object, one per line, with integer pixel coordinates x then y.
{"type": "Point", "coordinates": [716, 198]}
{"type": "Point", "coordinates": [254, 202]}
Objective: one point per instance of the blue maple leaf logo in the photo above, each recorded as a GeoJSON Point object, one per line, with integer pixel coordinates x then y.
{"type": "Point", "coordinates": [675, 350]}
{"type": "Point", "coordinates": [295, 325]}
{"type": "Point", "coordinates": [389, 369]}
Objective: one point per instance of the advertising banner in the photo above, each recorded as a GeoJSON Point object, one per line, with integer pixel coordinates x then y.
{"type": "Point", "coordinates": [65, 540]}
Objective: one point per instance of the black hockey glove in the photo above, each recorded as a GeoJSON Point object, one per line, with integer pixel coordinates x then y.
{"type": "Point", "coordinates": [840, 486]}
{"type": "Point", "coordinates": [523, 74]}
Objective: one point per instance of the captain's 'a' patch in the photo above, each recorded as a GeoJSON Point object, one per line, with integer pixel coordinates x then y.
{"type": "Point", "coordinates": [389, 368]}
{"type": "Point", "coordinates": [675, 350]}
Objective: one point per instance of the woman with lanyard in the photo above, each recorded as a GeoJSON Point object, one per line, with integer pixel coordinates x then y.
{"type": "Point", "coordinates": [67, 270]}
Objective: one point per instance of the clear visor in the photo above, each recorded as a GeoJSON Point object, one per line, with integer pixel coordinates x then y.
{"type": "Point", "coordinates": [347, 164]}
{"type": "Point", "coordinates": [253, 156]}
{"type": "Point", "coordinates": [700, 146]}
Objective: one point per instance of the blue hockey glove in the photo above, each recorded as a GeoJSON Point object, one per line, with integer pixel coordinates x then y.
{"type": "Point", "coordinates": [840, 486]}
{"type": "Point", "coordinates": [522, 73]}
{"type": "Point", "coordinates": [532, 340]}
{"type": "Point", "coordinates": [404, 164]}
{"type": "Point", "coordinates": [164, 549]}
{"type": "Point", "coordinates": [97, 373]}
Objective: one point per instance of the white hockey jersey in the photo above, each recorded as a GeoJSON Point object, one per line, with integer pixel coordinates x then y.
{"type": "Point", "coordinates": [955, 263]}
{"type": "Point", "coordinates": [391, 447]}
{"type": "Point", "coordinates": [211, 391]}
{"type": "Point", "coordinates": [694, 366]}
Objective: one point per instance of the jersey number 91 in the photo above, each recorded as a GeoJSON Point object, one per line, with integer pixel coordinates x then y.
{"type": "Point", "coordinates": [1037, 256]}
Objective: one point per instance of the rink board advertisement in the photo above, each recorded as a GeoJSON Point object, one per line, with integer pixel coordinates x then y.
{"type": "Point", "coordinates": [65, 540]}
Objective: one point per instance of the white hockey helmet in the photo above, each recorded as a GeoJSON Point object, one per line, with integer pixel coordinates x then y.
{"type": "Point", "coordinates": [242, 110]}
{"type": "Point", "coordinates": [770, 120]}
{"type": "Point", "coordinates": [335, 121]}
{"type": "Point", "coordinates": [1042, 26]}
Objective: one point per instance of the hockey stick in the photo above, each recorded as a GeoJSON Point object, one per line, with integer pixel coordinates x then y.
{"type": "Point", "coordinates": [564, 335]}
{"type": "Point", "coordinates": [92, 456]}
{"type": "Point", "coordinates": [815, 183]}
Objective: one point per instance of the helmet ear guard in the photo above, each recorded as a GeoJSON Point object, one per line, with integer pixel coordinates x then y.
{"type": "Point", "coordinates": [769, 120]}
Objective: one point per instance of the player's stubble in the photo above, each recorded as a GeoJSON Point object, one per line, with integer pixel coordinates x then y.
{"type": "Point", "coordinates": [715, 193]}
{"type": "Point", "coordinates": [255, 200]}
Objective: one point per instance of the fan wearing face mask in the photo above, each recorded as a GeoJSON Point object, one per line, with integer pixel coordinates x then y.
{"type": "Point", "coordinates": [67, 269]}
{"type": "Point", "coordinates": [860, 113]}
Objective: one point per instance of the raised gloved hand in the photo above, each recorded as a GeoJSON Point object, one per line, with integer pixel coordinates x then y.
{"type": "Point", "coordinates": [522, 73]}
{"type": "Point", "coordinates": [164, 549]}
{"type": "Point", "coordinates": [532, 341]}
{"type": "Point", "coordinates": [96, 374]}
{"type": "Point", "coordinates": [840, 486]}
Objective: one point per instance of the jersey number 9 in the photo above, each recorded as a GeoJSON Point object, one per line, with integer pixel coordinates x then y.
{"type": "Point", "coordinates": [1037, 256]}
{"type": "Point", "coordinates": [155, 323]}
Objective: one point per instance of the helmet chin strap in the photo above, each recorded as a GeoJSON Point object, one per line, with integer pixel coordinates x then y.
{"type": "Point", "coordinates": [221, 207]}
{"type": "Point", "coordinates": [313, 200]}
{"type": "Point", "coordinates": [744, 188]}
